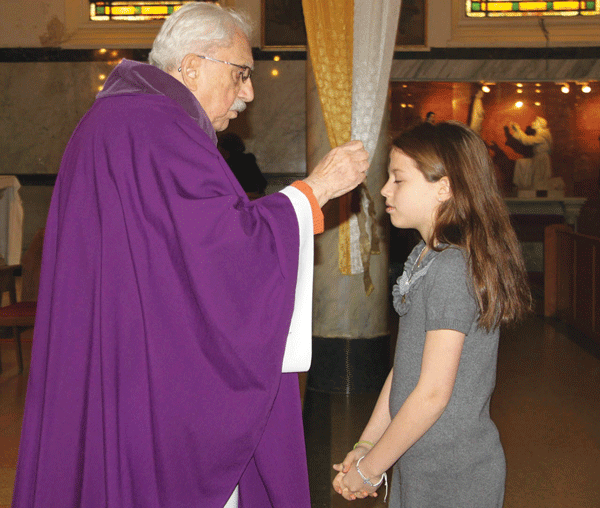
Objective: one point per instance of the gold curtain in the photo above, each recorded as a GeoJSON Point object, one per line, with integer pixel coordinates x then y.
{"type": "Point", "coordinates": [330, 33]}
{"type": "Point", "coordinates": [329, 29]}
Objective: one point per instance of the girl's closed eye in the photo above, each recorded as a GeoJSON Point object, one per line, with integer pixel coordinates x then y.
{"type": "Point", "coordinates": [394, 177]}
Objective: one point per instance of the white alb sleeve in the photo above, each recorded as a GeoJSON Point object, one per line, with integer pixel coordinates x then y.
{"type": "Point", "coordinates": [298, 349]}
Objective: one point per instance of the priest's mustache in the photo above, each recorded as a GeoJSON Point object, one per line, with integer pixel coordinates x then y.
{"type": "Point", "coordinates": [239, 105]}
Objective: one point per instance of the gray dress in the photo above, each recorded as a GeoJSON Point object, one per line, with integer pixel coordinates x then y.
{"type": "Point", "coordinates": [459, 462]}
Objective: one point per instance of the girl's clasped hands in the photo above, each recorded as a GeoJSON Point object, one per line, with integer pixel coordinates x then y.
{"type": "Point", "coordinates": [354, 480]}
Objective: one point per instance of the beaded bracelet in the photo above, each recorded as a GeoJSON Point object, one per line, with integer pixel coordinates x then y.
{"type": "Point", "coordinates": [368, 482]}
{"type": "Point", "coordinates": [363, 442]}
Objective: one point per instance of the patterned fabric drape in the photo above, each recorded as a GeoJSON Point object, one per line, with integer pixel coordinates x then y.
{"type": "Point", "coordinates": [351, 46]}
{"type": "Point", "coordinates": [375, 27]}
{"type": "Point", "coordinates": [329, 31]}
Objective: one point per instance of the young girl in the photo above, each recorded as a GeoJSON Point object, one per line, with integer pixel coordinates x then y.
{"type": "Point", "coordinates": [464, 280]}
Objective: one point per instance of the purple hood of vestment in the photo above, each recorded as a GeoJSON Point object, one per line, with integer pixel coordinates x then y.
{"type": "Point", "coordinates": [133, 78]}
{"type": "Point", "coordinates": [164, 306]}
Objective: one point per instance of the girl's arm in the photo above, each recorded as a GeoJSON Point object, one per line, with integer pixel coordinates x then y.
{"type": "Point", "coordinates": [380, 418]}
{"type": "Point", "coordinates": [422, 408]}
{"type": "Point", "coordinates": [378, 423]}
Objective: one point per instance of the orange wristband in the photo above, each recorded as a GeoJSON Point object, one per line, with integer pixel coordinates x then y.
{"type": "Point", "coordinates": [317, 213]}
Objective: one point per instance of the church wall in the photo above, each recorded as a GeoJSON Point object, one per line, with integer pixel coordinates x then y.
{"type": "Point", "coordinates": [30, 23]}
{"type": "Point", "coordinates": [42, 102]}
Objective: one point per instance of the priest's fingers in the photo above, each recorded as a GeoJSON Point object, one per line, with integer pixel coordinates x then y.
{"type": "Point", "coordinates": [340, 171]}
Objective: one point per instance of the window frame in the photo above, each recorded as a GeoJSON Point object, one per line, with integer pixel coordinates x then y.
{"type": "Point", "coordinates": [514, 31]}
{"type": "Point", "coordinates": [84, 33]}
{"type": "Point", "coordinates": [534, 13]}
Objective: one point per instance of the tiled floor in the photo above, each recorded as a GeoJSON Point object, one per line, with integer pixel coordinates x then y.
{"type": "Point", "coordinates": [546, 405]}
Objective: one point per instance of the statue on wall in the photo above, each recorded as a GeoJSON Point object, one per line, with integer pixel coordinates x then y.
{"type": "Point", "coordinates": [477, 112]}
{"type": "Point", "coordinates": [535, 172]}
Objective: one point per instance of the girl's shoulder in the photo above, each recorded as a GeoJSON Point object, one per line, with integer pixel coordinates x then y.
{"type": "Point", "coordinates": [449, 257]}
{"type": "Point", "coordinates": [448, 266]}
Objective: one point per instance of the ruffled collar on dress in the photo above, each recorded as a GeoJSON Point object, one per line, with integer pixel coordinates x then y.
{"type": "Point", "coordinates": [411, 277]}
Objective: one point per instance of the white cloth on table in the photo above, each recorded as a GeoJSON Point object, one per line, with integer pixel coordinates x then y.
{"type": "Point", "coordinates": [11, 220]}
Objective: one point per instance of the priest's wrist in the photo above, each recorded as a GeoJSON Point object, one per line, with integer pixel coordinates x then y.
{"type": "Point", "coordinates": [319, 188]}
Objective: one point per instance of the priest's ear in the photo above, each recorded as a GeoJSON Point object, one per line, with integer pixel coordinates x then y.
{"type": "Point", "coordinates": [190, 71]}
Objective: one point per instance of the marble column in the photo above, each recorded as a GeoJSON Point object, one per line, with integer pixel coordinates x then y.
{"type": "Point", "coordinates": [350, 329]}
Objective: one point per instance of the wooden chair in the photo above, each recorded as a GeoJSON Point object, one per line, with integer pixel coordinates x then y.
{"type": "Point", "coordinates": [21, 315]}
{"type": "Point", "coordinates": [15, 315]}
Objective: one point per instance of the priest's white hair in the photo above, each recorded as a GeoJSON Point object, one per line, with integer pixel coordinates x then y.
{"type": "Point", "coordinates": [197, 27]}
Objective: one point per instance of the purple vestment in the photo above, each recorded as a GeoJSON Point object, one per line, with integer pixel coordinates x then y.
{"type": "Point", "coordinates": [164, 306]}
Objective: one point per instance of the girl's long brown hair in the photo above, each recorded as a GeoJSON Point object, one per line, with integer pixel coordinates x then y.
{"type": "Point", "coordinates": [474, 218]}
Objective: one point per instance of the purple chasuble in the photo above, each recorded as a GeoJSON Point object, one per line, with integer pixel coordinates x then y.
{"type": "Point", "coordinates": [164, 306]}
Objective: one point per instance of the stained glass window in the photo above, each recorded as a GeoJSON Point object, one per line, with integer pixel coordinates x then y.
{"type": "Point", "coordinates": [500, 8]}
{"type": "Point", "coordinates": [133, 10]}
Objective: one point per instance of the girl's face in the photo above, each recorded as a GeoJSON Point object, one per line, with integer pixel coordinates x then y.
{"type": "Point", "coordinates": [410, 199]}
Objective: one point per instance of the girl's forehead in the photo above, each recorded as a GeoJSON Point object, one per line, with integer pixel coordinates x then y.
{"type": "Point", "coordinates": [399, 161]}
{"type": "Point", "coordinates": [399, 155]}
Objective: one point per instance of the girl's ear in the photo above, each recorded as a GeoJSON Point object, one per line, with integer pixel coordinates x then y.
{"type": "Point", "coordinates": [444, 189]}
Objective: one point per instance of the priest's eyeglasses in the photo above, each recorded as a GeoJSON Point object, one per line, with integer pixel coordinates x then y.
{"type": "Point", "coordinates": [244, 74]}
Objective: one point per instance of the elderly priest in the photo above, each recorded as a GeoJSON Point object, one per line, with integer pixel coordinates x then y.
{"type": "Point", "coordinates": [173, 312]}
